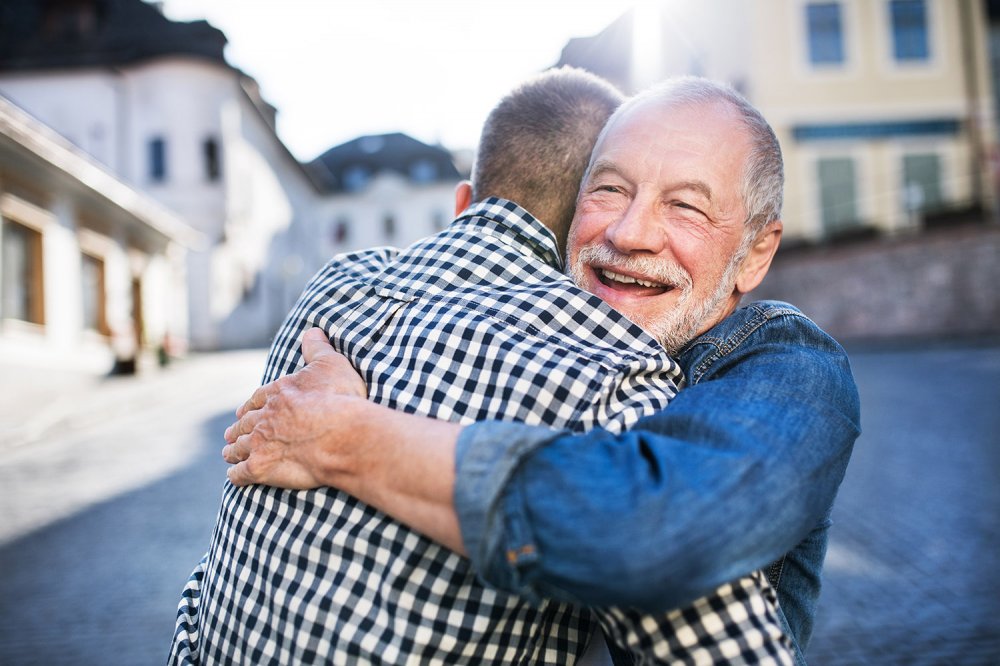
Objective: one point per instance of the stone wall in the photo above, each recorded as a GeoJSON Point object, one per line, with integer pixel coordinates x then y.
{"type": "Point", "coordinates": [939, 283]}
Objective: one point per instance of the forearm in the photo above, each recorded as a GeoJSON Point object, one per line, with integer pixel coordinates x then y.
{"type": "Point", "coordinates": [641, 519]}
{"type": "Point", "coordinates": [731, 476]}
{"type": "Point", "coordinates": [399, 463]}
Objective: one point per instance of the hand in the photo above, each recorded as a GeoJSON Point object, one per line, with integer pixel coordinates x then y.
{"type": "Point", "coordinates": [286, 433]}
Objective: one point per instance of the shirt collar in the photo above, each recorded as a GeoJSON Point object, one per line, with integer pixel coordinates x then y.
{"type": "Point", "coordinates": [515, 226]}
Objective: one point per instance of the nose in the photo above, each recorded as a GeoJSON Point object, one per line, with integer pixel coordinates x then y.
{"type": "Point", "coordinates": [637, 230]}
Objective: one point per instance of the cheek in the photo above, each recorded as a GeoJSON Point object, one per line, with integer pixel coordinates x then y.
{"type": "Point", "coordinates": [585, 229]}
{"type": "Point", "coordinates": [704, 261]}
{"type": "Point", "coordinates": [591, 222]}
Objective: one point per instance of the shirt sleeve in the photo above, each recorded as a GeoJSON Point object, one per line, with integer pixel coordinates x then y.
{"type": "Point", "coordinates": [732, 475]}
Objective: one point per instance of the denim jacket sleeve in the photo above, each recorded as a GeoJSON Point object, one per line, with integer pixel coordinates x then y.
{"type": "Point", "coordinates": [742, 466]}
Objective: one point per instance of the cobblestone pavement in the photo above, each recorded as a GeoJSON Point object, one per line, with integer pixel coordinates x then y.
{"type": "Point", "coordinates": [913, 571]}
{"type": "Point", "coordinates": [108, 504]}
{"type": "Point", "coordinates": [108, 492]}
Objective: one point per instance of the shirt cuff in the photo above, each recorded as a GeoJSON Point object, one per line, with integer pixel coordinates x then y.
{"type": "Point", "coordinates": [486, 457]}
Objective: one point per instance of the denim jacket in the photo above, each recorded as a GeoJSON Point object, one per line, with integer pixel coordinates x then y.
{"type": "Point", "coordinates": [739, 473]}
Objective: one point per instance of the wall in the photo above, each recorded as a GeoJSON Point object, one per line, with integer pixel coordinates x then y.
{"type": "Point", "coordinates": [941, 283]}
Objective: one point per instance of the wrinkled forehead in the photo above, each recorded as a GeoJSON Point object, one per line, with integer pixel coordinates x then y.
{"type": "Point", "coordinates": [665, 130]}
{"type": "Point", "coordinates": [657, 115]}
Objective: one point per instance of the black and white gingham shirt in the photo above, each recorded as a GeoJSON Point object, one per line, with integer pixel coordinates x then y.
{"type": "Point", "coordinates": [474, 323]}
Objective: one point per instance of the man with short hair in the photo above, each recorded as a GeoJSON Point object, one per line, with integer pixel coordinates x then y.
{"type": "Point", "coordinates": [677, 219]}
{"type": "Point", "coordinates": [474, 322]}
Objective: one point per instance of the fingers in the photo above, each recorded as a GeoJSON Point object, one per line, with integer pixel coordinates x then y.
{"type": "Point", "coordinates": [257, 400]}
{"type": "Point", "coordinates": [239, 474]}
{"type": "Point", "coordinates": [237, 451]}
{"type": "Point", "coordinates": [244, 425]}
{"type": "Point", "coordinates": [315, 345]}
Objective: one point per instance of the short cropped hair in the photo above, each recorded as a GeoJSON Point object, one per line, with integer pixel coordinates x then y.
{"type": "Point", "coordinates": [536, 143]}
{"type": "Point", "coordinates": [763, 177]}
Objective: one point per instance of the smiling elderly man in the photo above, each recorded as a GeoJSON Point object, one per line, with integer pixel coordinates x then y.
{"type": "Point", "coordinates": [677, 219]}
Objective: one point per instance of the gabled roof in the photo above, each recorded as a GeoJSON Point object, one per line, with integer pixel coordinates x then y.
{"type": "Point", "coordinates": [349, 166]}
{"type": "Point", "coordinates": [607, 54]}
{"type": "Point", "coordinates": [46, 34]}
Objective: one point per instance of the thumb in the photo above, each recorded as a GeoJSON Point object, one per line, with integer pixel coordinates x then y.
{"type": "Point", "coordinates": [315, 345]}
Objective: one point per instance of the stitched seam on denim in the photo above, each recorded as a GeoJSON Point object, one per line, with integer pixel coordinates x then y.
{"type": "Point", "coordinates": [775, 570]}
{"type": "Point", "coordinates": [726, 345]}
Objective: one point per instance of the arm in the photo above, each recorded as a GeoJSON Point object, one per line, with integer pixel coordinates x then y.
{"type": "Point", "coordinates": [736, 472]}
{"type": "Point", "coordinates": [314, 428]}
{"type": "Point", "coordinates": [731, 476]}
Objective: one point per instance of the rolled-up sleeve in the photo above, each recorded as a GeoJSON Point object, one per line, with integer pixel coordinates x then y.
{"type": "Point", "coordinates": [486, 457]}
{"type": "Point", "coordinates": [732, 475]}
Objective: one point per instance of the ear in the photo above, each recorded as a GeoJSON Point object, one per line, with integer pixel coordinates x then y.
{"type": "Point", "coordinates": [463, 196]}
{"type": "Point", "coordinates": [758, 261]}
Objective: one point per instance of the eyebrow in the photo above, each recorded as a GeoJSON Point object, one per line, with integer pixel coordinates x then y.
{"type": "Point", "coordinates": [600, 167]}
{"type": "Point", "coordinates": [699, 186]}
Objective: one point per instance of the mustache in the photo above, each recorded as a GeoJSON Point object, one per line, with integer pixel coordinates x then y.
{"type": "Point", "coordinates": [655, 270]}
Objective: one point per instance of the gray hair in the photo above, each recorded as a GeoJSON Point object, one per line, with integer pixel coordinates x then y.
{"type": "Point", "coordinates": [763, 175]}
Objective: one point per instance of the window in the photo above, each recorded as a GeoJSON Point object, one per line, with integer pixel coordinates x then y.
{"type": "Point", "coordinates": [423, 171]}
{"type": "Point", "coordinates": [838, 194]}
{"type": "Point", "coordinates": [439, 220]}
{"type": "Point", "coordinates": [213, 163]}
{"type": "Point", "coordinates": [341, 231]}
{"type": "Point", "coordinates": [389, 226]}
{"type": "Point", "coordinates": [92, 284]}
{"type": "Point", "coordinates": [355, 178]}
{"type": "Point", "coordinates": [909, 30]}
{"type": "Point", "coordinates": [157, 159]}
{"type": "Point", "coordinates": [21, 280]}
{"type": "Point", "coordinates": [825, 29]}
{"type": "Point", "coordinates": [922, 182]}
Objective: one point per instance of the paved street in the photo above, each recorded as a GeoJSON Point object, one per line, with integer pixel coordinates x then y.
{"type": "Point", "coordinates": [108, 491]}
{"type": "Point", "coordinates": [913, 573]}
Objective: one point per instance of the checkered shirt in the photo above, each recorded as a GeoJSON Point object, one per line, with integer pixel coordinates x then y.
{"type": "Point", "coordinates": [474, 323]}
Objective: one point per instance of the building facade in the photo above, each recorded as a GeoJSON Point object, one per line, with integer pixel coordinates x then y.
{"type": "Point", "coordinates": [156, 102]}
{"type": "Point", "coordinates": [387, 189]}
{"type": "Point", "coordinates": [92, 273]}
{"type": "Point", "coordinates": [884, 108]}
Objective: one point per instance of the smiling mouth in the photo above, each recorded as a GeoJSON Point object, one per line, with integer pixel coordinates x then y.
{"type": "Point", "coordinates": [621, 281]}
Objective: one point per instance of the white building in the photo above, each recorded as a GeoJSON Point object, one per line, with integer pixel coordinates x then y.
{"type": "Point", "coordinates": [157, 103]}
{"type": "Point", "coordinates": [91, 271]}
{"type": "Point", "coordinates": [387, 189]}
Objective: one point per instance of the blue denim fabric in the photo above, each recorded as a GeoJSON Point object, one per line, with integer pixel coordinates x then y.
{"type": "Point", "coordinates": [739, 473]}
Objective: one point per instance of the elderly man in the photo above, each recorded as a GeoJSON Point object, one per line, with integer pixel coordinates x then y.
{"type": "Point", "coordinates": [677, 219]}
{"type": "Point", "coordinates": [474, 322]}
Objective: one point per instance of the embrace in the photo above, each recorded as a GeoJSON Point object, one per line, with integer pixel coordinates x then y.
{"type": "Point", "coordinates": [551, 433]}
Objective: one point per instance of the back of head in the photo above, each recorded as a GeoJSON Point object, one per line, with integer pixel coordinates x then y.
{"type": "Point", "coordinates": [536, 143]}
{"type": "Point", "coordinates": [763, 176]}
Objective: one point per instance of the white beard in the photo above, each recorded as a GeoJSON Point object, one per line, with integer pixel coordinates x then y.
{"type": "Point", "coordinates": [689, 317]}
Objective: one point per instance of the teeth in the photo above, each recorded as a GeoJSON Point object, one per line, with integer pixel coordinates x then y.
{"type": "Point", "coordinates": [628, 279]}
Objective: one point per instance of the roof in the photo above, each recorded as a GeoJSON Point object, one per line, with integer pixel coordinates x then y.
{"type": "Point", "coordinates": [607, 54]}
{"type": "Point", "coordinates": [350, 166]}
{"type": "Point", "coordinates": [47, 34]}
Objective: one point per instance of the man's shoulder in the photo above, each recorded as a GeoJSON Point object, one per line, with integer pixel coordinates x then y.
{"type": "Point", "coordinates": [761, 327]}
{"type": "Point", "coordinates": [364, 261]}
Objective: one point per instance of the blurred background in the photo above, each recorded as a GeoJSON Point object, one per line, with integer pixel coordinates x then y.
{"type": "Point", "coordinates": [172, 173]}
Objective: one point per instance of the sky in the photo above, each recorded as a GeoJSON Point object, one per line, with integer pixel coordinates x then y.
{"type": "Point", "coordinates": [339, 69]}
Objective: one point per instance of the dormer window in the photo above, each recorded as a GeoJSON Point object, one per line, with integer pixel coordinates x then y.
{"type": "Point", "coordinates": [423, 171]}
{"type": "Point", "coordinates": [355, 178]}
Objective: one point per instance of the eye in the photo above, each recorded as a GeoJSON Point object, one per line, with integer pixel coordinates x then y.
{"type": "Point", "coordinates": [686, 206]}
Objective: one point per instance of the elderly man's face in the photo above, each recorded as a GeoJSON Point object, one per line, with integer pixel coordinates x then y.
{"type": "Point", "coordinates": [660, 218]}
